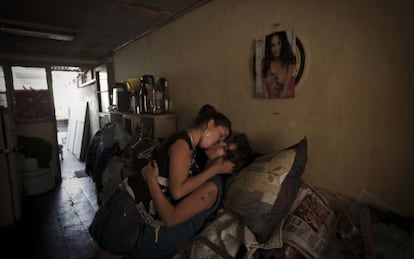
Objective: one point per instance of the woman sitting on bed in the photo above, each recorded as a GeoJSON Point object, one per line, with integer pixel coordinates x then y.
{"type": "Point", "coordinates": [181, 221]}
{"type": "Point", "coordinates": [177, 223]}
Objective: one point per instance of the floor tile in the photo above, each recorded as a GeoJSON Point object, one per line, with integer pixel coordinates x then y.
{"type": "Point", "coordinates": [55, 224]}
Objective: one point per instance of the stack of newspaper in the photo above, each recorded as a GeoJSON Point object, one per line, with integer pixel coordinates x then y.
{"type": "Point", "coordinates": [321, 224]}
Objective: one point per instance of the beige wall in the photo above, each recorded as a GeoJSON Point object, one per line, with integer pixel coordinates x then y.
{"type": "Point", "coordinates": [353, 102]}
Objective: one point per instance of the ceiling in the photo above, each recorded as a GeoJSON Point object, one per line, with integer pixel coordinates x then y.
{"type": "Point", "coordinates": [99, 27]}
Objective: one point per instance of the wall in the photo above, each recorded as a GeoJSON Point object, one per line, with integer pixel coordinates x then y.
{"type": "Point", "coordinates": [353, 102]}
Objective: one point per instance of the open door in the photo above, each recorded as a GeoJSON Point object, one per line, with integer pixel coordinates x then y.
{"type": "Point", "coordinates": [35, 114]}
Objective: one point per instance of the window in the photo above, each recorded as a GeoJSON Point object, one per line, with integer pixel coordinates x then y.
{"type": "Point", "coordinates": [3, 92]}
{"type": "Point", "coordinates": [103, 91]}
{"type": "Point", "coordinates": [29, 78]}
{"type": "Point", "coordinates": [31, 94]}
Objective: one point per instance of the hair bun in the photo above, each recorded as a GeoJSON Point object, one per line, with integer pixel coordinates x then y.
{"type": "Point", "coordinates": [206, 109]}
{"type": "Point", "coordinates": [207, 113]}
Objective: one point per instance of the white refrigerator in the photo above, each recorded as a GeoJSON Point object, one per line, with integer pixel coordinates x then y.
{"type": "Point", "coordinates": [10, 180]}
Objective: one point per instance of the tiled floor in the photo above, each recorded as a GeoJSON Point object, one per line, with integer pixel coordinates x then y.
{"type": "Point", "coordinates": [55, 224]}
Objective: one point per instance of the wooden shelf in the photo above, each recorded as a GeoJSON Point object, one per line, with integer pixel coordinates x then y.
{"type": "Point", "coordinates": [153, 125]}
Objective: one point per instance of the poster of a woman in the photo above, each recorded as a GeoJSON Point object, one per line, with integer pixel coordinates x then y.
{"type": "Point", "coordinates": [275, 63]}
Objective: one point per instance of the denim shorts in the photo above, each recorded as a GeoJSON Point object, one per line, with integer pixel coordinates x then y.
{"type": "Point", "coordinates": [117, 225]}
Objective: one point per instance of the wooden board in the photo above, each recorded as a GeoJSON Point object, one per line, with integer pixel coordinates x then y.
{"type": "Point", "coordinates": [76, 128]}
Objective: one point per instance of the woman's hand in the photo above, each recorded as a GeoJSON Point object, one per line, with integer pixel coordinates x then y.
{"type": "Point", "coordinates": [199, 200]}
{"type": "Point", "coordinates": [150, 172]}
{"type": "Point", "coordinates": [221, 165]}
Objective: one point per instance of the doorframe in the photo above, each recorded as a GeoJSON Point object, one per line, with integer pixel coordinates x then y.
{"type": "Point", "coordinates": [8, 77]}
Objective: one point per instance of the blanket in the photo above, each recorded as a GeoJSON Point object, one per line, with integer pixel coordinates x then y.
{"type": "Point", "coordinates": [225, 237]}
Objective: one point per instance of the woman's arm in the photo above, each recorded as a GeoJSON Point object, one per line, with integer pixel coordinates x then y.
{"type": "Point", "coordinates": [180, 184]}
{"type": "Point", "coordinates": [201, 199]}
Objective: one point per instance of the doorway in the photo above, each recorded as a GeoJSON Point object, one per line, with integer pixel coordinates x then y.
{"type": "Point", "coordinates": [79, 94]}
{"type": "Point", "coordinates": [32, 107]}
{"type": "Point", "coordinates": [64, 84]}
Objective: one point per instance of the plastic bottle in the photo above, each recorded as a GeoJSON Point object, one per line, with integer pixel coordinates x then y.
{"type": "Point", "coordinates": [166, 97]}
{"type": "Point", "coordinates": [148, 81]}
{"type": "Point", "coordinates": [158, 97]}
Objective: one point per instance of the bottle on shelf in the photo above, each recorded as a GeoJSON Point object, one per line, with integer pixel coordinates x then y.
{"type": "Point", "coordinates": [134, 102]}
{"type": "Point", "coordinates": [143, 98]}
{"type": "Point", "coordinates": [166, 91]}
{"type": "Point", "coordinates": [148, 81]}
{"type": "Point", "coordinates": [158, 97]}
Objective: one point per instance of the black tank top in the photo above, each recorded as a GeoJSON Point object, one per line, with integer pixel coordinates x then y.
{"type": "Point", "coordinates": [161, 155]}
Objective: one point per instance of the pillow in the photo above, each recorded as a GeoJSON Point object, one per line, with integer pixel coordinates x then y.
{"type": "Point", "coordinates": [262, 193]}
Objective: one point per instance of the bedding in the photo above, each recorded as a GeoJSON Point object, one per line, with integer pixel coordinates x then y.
{"type": "Point", "coordinates": [261, 194]}
{"type": "Point", "coordinates": [226, 237]}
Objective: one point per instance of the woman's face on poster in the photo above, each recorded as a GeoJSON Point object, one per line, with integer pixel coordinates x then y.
{"type": "Point", "coordinates": [275, 45]}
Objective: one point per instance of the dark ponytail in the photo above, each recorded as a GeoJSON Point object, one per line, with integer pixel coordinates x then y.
{"type": "Point", "coordinates": [208, 112]}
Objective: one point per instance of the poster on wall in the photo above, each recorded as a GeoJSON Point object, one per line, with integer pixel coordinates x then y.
{"type": "Point", "coordinates": [275, 65]}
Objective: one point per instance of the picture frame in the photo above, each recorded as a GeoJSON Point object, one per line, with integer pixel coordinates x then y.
{"type": "Point", "coordinates": [300, 60]}
{"type": "Point", "coordinates": [85, 78]}
{"type": "Point", "coordinates": [278, 65]}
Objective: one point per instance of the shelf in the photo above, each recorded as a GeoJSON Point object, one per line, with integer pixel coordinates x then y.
{"type": "Point", "coordinates": [154, 125]}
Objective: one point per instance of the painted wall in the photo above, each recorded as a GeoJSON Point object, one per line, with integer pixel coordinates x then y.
{"type": "Point", "coordinates": [353, 102]}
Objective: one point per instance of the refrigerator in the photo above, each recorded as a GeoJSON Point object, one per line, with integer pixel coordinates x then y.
{"type": "Point", "coordinates": [10, 180]}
